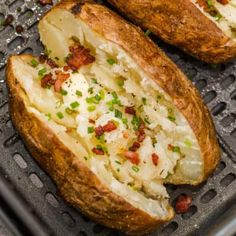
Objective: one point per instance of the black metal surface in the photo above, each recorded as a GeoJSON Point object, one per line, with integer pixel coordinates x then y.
{"type": "Point", "coordinates": [217, 86]}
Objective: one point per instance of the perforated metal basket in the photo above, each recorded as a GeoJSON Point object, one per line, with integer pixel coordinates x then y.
{"type": "Point", "coordinates": [27, 194]}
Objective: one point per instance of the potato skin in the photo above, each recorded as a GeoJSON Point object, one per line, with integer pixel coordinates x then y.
{"type": "Point", "coordinates": [76, 182]}
{"type": "Point", "coordinates": [182, 24]}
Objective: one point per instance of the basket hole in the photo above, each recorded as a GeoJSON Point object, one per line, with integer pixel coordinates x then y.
{"type": "Point", "coordinates": [170, 228]}
{"type": "Point", "coordinates": [201, 84]}
{"type": "Point", "coordinates": [85, 218]}
{"type": "Point", "coordinates": [227, 180]}
{"type": "Point", "coordinates": [219, 168]}
{"type": "Point", "coordinates": [1, 56]}
{"type": "Point", "coordinates": [210, 96]}
{"type": "Point", "coordinates": [97, 229]}
{"type": "Point", "coordinates": [82, 233]}
{"type": "Point", "coordinates": [51, 199]}
{"type": "Point", "coordinates": [171, 188]}
{"type": "Point", "coordinates": [9, 124]}
{"type": "Point", "coordinates": [11, 141]}
{"type": "Point", "coordinates": [208, 196]}
{"type": "Point", "coordinates": [69, 220]}
{"type": "Point", "coordinates": [27, 51]}
{"type": "Point", "coordinates": [36, 180]}
{"type": "Point", "coordinates": [33, 27]}
{"type": "Point", "coordinates": [228, 120]}
{"type": "Point", "coordinates": [17, 42]}
{"type": "Point", "coordinates": [192, 210]}
{"type": "Point", "coordinates": [233, 133]}
{"type": "Point", "coordinates": [26, 15]}
{"type": "Point", "coordinates": [233, 95]}
{"type": "Point", "coordinates": [228, 81]}
{"type": "Point", "coordinates": [20, 161]}
{"type": "Point", "coordinates": [219, 108]}
{"type": "Point", "coordinates": [13, 6]}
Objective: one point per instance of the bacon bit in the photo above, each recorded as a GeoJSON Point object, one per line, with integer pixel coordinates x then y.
{"type": "Point", "coordinates": [203, 3]}
{"type": "Point", "coordinates": [125, 134]}
{"type": "Point", "coordinates": [130, 111]}
{"type": "Point", "coordinates": [97, 151]}
{"type": "Point", "coordinates": [66, 68]}
{"type": "Point", "coordinates": [224, 2]}
{"type": "Point", "coordinates": [45, 2]}
{"type": "Point", "coordinates": [183, 203]}
{"type": "Point", "coordinates": [69, 130]}
{"type": "Point", "coordinates": [133, 157]}
{"type": "Point", "coordinates": [80, 56]}
{"type": "Point", "coordinates": [91, 121]}
{"type": "Point", "coordinates": [170, 147]}
{"type": "Point", "coordinates": [47, 80]}
{"type": "Point", "coordinates": [52, 63]}
{"type": "Point", "coordinates": [61, 78]}
{"type": "Point", "coordinates": [99, 131]}
{"type": "Point", "coordinates": [43, 59]}
{"type": "Point", "coordinates": [155, 159]}
{"type": "Point", "coordinates": [135, 147]}
{"type": "Point", "coordinates": [141, 133]}
{"type": "Point", "coordinates": [110, 126]}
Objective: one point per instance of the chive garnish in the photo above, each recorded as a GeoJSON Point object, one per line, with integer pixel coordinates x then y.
{"type": "Point", "coordinates": [42, 71]}
{"type": "Point", "coordinates": [74, 105]}
{"type": "Point", "coordinates": [90, 130]}
{"type": "Point", "coordinates": [111, 61]}
{"type": "Point", "coordinates": [34, 63]}
{"type": "Point", "coordinates": [60, 115]}
{"type": "Point", "coordinates": [49, 116]}
{"type": "Point", "coordinates": [135, 169]}
{"type": "Point", "coordinates": [63, 92]}
{"type": "Point", "coordinates": [79, 93]}
{"type": "Point", "coordinates": [91, 108]}
{"type": "Point", "coordinates": [118, 114]}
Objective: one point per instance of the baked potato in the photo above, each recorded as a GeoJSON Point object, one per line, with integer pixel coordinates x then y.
{"type": "Point", "coordinates": [110, 117]}
{"type": "Point", "coordinates": [205, 29]}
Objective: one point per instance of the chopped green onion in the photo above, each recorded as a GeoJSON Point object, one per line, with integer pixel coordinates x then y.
{"type": "Point", "coordinates": [120, 82]}
{"type": "Point", "coordinates": [148, 32]}
{"type": "Point", "coordinates": [147, 121]}
{"type": "Point", "coordinates": [118, 114]}
{"type": "Point", "coordinates": [91, 108]}
{"type": "Point", "coordinates": [97, 98]}
{"type": "Point", "coordinates": [94, 81]}
{"type": "Point", "coordinates": [111, 61]}
{"type": "Point", "coordinates": [125, 122]}
{"type": "Point", "coordinates": [176, 149]}
{"type": "Point", "coordinates": [118, 170]}
{"type": "Point", "coordinates": [90, 130]}
{"type": "Point", "coordinates": [42, 71]}
{"type": "Point", "coordinates": [74, 105]}
{"type": "Point", "coordinates": [69, 111]}
{"type": "Point", "coordinates": [103, 148]}
{"type": "Point", "coordinates": [102, 94]}
{"type": "Point", "coordinates": [188, 143]}
{"type": "Point", "coordinates": [135, 169]}
{"type": "Point", "coordinates": [171, 118]}
{"type": "Point", "coordinates": [114, 95]}
{"type": "Point", "coordinates": [209, 3]}
{"type": "Point", "coordinates": [60, 115]}
{"type": "Point", "coordinates": [85, 158]}
{"type": "Point", "coordinates": [144, 100]}
{"type": "Point", "coordinates": [63, 92]}
{"type": "Point", "coordinates": [34, 63]}
{"type": "Point", "coordinates": [49, 116]}
{"type": "Point", "coordinates": [118, 162]}
{"type": "Point", "coordinates": [136, 121]}
{"type": "Point", "coordinates": [79, 93]}
{"type": "Point", "coordinates": [90, 90]}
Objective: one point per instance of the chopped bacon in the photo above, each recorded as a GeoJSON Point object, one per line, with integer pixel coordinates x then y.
{"type": "Point", "coordinates": [52, 63]}
{"type": "Point", "coordinates": [125, 134]}
{"type": "Point", "coordinates": [99, 131]}
{"type": "Point", "coordinates": [133, 157]}
{"type": "Point", "coordinates": [61, 78]}
{"type": "Point", "coordinates": [45, 2]}
{"type": "Point", "coordinates": [155, 159]}
{"type": "Point", "coordinates": [91, 121]}
{"type": "Point", "coordinates": [43, 58]}
{"type": "Point", "coordinates": [110, 126]}
{"type": "Point", "coordinates": [135, 147]}
{"type": "Point", "coordinates": [66, 68]}
{"type": "Point", "coordinates": [79, 56]}
{"type": "Point", "coordinates": [170, 147]}
{"type": "Point", "coordinates": [183, 203]}
{"type": "Point", "coordinates": [202, 3]}
{"type": "Point", "coordinates": [47, 80]}
{"type": "Point", "coordinates": [224, 2]}
{"type": "Point", "coordinates": [97, 151]}
{"type": "Point", "coordinates": [130, 110]}
{"type": "Point", "coordinates": [141, 133]}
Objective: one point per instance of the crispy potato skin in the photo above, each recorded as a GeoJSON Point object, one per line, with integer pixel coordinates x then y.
{"type": "Point", "coordinates": [75, 181]}
{"type": "Point", "coordinates": [159, 68]}
{"type": "Point", "coordinates": [182, 24]}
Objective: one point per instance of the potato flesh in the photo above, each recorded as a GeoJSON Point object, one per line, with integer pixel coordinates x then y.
{"type": "Point", "coordinates": [226, 17]}
{"type": "Point", "coordinates": [59, 27]}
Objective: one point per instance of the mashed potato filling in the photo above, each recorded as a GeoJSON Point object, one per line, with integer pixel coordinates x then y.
{"type": "Point", "coordinates": [118, 121]}
{"type": "Point", "coordinates": [222, 12]}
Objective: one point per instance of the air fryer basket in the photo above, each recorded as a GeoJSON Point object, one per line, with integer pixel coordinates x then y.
{"type": "Point", "coordinates": [31, 194]}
